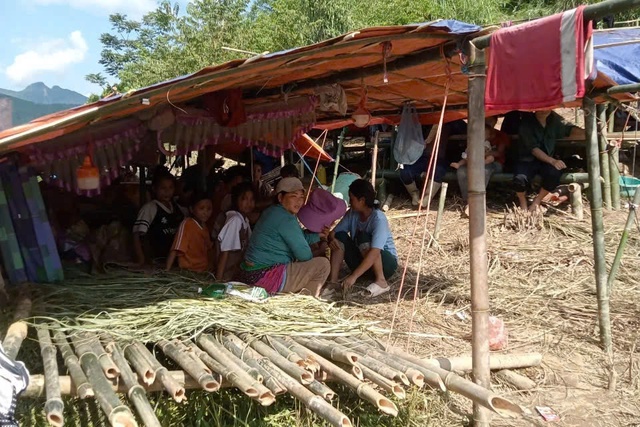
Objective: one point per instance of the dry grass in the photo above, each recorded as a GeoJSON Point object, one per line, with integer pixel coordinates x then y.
{"type": "Point", "coordinates": [542, 284]}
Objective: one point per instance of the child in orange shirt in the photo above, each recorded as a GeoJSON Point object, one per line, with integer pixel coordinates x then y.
{"type": "Point", "coordinates": [192, 244]}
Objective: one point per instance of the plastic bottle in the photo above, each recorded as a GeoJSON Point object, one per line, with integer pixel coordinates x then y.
{"type": "Point", "coordinates": [214, 290]}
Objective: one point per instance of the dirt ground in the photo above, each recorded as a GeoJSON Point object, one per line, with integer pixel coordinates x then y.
{"type": "Point", "coordinates": [542, 285]}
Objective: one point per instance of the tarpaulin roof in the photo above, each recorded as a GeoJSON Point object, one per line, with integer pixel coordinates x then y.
{"type": "Point", "coordinates": [617, 54]}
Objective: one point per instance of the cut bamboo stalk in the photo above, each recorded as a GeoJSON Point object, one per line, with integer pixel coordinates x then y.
{"type": "Point", "coordinates": [375, 365]}
{"type": "Point", "coordinates": [135, 392]}
{"type": "Point", "coordinates": [322, 390]}
{"type": "Point", "coordinates": [222, 361]}
{"type": "Point", "coordinates": [463, 364]}
{"type": "Point", "coordinates": [363, 390]}
{"type": "Point", "coordinates": [53, 407]}
{"type": "Point", "coordinates": [293, 370]}
{"type": "Point", "coordinates": [384, 383]}
{"type": "Point", "coordinates": [355, 370]}
{"type": "Point", "coordinates": [186, 362]}
{"type": "Point", "coordinates": [631, 218]}
{"type": "Point", "coordinates": [291, 356]}
{"type": "Point", "coordinates": [18, 330]}
{"type": "Point", "coordinates": [476, 393]}
{"type": "Point", "coordinates": [188, 351]}
{"type": "Point", "coordinates": [241, 350]}
{"type": "Point", "coordinates": [170, 385]}
{"type": "Point", "coordinates": [333, 351]}
{"type": "Point", "coordinates": [441, 202]}
{"type": "Point", "coordinates": [284, 347]}
{"type": "Point", "coordinates": [73, 366]}
{"type": "Point", "coordinates": [604, 155]}
{"type": "Point", "coordinates": [312, 401]}
{"type": "Point", "coordinates": [575, 195]}
{"type": "Point", "coordinates": [110, 369]}
{"type": "Point", "coordinates": [246, 365]}
{"type": "Point", "coordinates": [117, 413]}
{"type": "Point", "coordinates": [515, 379]}
{"type": "Point", "coordinates": [140, 364]}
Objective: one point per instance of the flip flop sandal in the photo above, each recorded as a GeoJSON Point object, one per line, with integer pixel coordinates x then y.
{"type": "Point", "coordinates": [375, 290]}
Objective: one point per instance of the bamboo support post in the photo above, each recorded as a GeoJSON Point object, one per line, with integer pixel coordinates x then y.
{"type": "Point", "coordinates": [463, 364]}
{"type": "Point", "coordinates": [73, 366]}
{"type": "Point", "coordinates": [336, 167]}
{"type": "Point", "coordinates": [190, 365]}
{"type": "Point", "coordinates": [222, 361]}
{"type": "Point", "coordinates": [247, 354]}
{"type": "Point", "coordinates": [175, 390]}
{"type": "Point", "coordinates": [301, 375]}
{"type": "Point", "coordinates": [379, 367]}
{"type": "Point", "coordinates": [441, 201]}
{"type": "Point", "coordinates": [604, 155]}
{"type": "Point", "coordinates": [53, 407]}
{"type": "Point", "coordinates": [363, 390]}
{"type": "Point", "coordinates": [631, 218]}
{"type": "Point", "coordinates": [575, 195]}
{"type": "Point", "coordinates": [477, 230]}
{"type": "Point", "coordinates": [18, 330]}
{"type": "Point", "coordinates": [333, 351]}
{"type": "Point", "coordinates": [140, 363]}
{"type": "Point", "coordinates": [597, 222]}
{"type": "Point", "coordinates": [117, 413]}
{"type": "Point", "coordinates": [135, 391]}
{"type": "Point", "coordinates": [520, 382]}
{"type": "Point", "coordinates": [614, 161]}
{"type": "Point", "coordinates": [374, 159]}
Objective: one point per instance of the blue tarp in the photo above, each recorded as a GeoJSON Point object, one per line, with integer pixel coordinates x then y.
{"type": "Point", "coordinates": [620, 63]}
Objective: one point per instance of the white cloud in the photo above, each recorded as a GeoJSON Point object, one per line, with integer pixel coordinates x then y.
{"type": "Point", "coordinates": [132, 8]}
{"type": "Point", "coordinates": [49, 56]}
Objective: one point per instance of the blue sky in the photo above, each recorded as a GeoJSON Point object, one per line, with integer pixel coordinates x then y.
{"type": "Point", "coordinates": [57, 41]}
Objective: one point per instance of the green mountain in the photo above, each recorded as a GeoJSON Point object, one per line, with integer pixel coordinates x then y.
{"type": "Point", "coordinates": [39, 93]}
{"type": "Point", "coordinates": [25, 111]}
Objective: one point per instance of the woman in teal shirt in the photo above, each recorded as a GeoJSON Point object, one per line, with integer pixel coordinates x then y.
{"type": "Point", "coordinates": [279, 257]}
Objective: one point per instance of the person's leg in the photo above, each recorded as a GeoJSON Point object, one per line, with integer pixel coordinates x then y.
{"type": "Point", "coordinates": [377, 269]}
{"type": "Point", "coordinates": [349, 253]}
{"type": "Point", "coordinates": [522, 174]}
{"type": "Point", "coordinates": [462, 176]}
{"type": "Point", "coordinates": [550, 180]}
{"type": "Point", "coordinates": [389, 264]}
{"type": "Point", "coordinates": [409, 177]}
{"type": "Point", "coordinates": [307, 277]}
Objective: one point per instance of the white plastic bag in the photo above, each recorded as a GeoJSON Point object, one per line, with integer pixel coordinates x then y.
{"type": "Point", "coordinates": [410, 140]}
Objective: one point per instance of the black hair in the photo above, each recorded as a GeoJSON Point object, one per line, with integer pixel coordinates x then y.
{"type": "Point", "coordinates": [362, 188]}
{"type": "Point", "coordinates": [289, 171]}
{"type": "Point", "coordinates": [197, 198]}
{"type": "Point", "coordinates": [238, 191]}
{"type": "Point", "coordinates": [257, 162]}
{"type": "Point", "coordinates": [234, 172]}
{"type": "Point", "coordinates": [161, 174]}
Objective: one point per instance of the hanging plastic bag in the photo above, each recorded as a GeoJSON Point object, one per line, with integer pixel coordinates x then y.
{"type": "Point", "coordinates": [410, 141]}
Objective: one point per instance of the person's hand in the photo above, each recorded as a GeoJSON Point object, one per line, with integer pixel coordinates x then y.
{"type": "Point", "coordinates": [348, 282]}
{"type": "Point", "coordinates": [455, 165]}
{"type": "Point", "coordinates": [324, 234]}
{"type": "Point", "coordinates": [558, 164]}
{"type": "Point", "coordinates": [334, 245]}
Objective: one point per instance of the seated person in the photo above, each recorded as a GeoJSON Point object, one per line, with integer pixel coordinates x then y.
{"type": "Point", "coordinates": [363, 239]}
{"type": "Point", "coordinates": [222, 199]}
{"type": "Point", "coordinates": [192, 244]}
{"type": "Point", "coordinates": [233, 239]}
{"type": "Point", "coordinates": [289, 171]}
{"type": "Point", "coordinates": [262, 191]}
{"type": "Point", "coordinates": [496, 146]}
{"type": "Point", "coordinates": [538, 134]}
{"type": "Point", "coordinates": [279, 257]}
{"type": "Point", "coordinates": [157, 221]}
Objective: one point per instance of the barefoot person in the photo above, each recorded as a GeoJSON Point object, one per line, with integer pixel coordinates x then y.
{"type": "Point", "coordinates": [363, 240]}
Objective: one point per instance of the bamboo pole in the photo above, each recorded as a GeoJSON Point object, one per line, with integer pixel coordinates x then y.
{"type": "Point", "coordinates": [135, 391]}
{"type": "Point", "coordinates": [604, 155]}
{"type": "Point", "coordinates": [254, 371]}
{"type": "Point", "coordinates": [110, 369]}
{"type": "Point", "coordinates": [73, 366]}
{"type": "Point", "coordinates": [575, 195]}
{"type": "Point", "coordinates": [290, 368]}
{"type": "Point", "coordinates": [363, 390]}
{"type": "Point", "coordinates": [223, 362]}
{"type": "Point", "coordinates": [333, 351]}
{"type": "Point", "coordinates": [443, 196]}
{"type": "Point", "coordinates": [463, 364]}
{"type": "Point", "coordinates": [374, 159]}
{"type": "Point", "coordinates": [380, 368]}
{"type": "Point", "coordinates": [175, 390]}
{"type": "Point", "coordinates": [336, 166]}
{"type": "Point", "coordinates": [477, 231]}
{"type": "Point", "coordinates": [53, 407]}
{"type": "Point", "coordinates": [140, 363]}
{"type": "Point", "coordinates": [631, 218]}
{"type": "Point", "coordinates": [515, 379]}
{"type": "Point", "coordinates": [614, 159]}
{"type": "Point", "coordinates": [310, 365]}
{"type": "Point", "coordinates": [247, 354]}
{"type": "Point", "coordinates": [117, 413]}
{"type": "Point", "coordinates": [18, 329]}
{"type": "Point", "coordinates": [384, 383]}
{"type": "Point", "coordinates": [190, 365]}
{"type": "Point", "coordinates": [597, 223]}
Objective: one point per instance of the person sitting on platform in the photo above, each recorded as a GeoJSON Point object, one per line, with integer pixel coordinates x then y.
{"type": "Point", "coordinates": [538, 135]}
{"type": "Point", "coordinates": [192, 244]}
{"type": "Point", "coordinates": [363, 239]}
{"type": "Point", "coordinates": [279, 256]}
{"type": "Point", "coordinates": [222, 198]}
{"type": "Point", "coordinates": [496, 145]}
